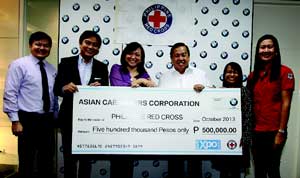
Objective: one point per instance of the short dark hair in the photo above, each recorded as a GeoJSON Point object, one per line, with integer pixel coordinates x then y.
{"type": "Point", "coordinates": [176, 45]}
{"type": "Point", "coordinates": [36, 36]}
{"type": "Point", "coordinates": [89, 33]}
{"type": "Point", "coordinates": [237, 67]}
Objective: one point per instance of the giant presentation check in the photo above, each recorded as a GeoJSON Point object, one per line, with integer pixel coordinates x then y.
{"type": "Point", "coordinates": [156, 121]}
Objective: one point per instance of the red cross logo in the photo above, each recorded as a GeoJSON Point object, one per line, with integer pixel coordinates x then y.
{"type": "Point", "coordinates": [157, 19]}
{"type": "Point", "coordinates": [231, 144]}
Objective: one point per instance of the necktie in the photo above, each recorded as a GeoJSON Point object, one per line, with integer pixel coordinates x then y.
{"type": "Point", "coordinates": [46, 98]}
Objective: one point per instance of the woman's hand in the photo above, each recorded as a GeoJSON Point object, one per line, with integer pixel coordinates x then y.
{"type": "Point", "coordinates": [142, 82]}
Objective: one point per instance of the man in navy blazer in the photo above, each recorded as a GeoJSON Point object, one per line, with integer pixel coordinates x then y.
{"type": "Point", "coordinates": [82, 69]}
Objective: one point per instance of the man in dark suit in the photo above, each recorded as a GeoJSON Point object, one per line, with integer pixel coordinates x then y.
{"type": "Point", "coordinates": [82, 69]}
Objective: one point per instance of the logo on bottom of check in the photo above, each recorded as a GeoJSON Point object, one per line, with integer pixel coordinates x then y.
{"type": "Point", "coordinates": [208, 144]}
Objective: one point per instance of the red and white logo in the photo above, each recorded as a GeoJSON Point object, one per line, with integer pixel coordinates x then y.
{"type": "Point", "coordinates": [157, 19]}
{"type": "Point", "coordinates": [231, 144]}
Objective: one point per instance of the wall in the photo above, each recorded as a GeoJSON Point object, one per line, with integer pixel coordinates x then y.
{"type": "Point", "coordinates": [9, 50]}
{"type": "Point", "coordinates": [277, 18]}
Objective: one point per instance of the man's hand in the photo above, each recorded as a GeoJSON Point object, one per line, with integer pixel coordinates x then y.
{"type": "Point", "coordinates": [70, 88]}
{"type": "Point", "coordinates": [198, 87]}
{"type": "Point", "coordinates": [17, 128]}
{"type": "Point", "coordinates": [95, 84]}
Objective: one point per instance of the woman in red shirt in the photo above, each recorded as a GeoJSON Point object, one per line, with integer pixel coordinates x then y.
{"type": "Point", "coordinates": [272, 86]}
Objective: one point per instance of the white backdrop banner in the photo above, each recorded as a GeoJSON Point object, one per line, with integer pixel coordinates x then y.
{"type": "Point", "coordinates": [155, 121]}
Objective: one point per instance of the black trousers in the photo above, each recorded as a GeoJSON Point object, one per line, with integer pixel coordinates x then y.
{"type": "Point", "coordinates": [266, 156]}
{"type": "Point", "coordinates": [36, 145]}
{"type": "Point", "coordinates": [121, 168]}
{"type": "Point", "coordinates": [74, 166]}
{"type": "Point", "coordinates": [176, 168]}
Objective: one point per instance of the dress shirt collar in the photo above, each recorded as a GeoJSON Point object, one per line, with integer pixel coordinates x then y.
{"type": "Point", "coordinates": [36, 60]}
{"type": "Point", "coordinates": [81, 61]}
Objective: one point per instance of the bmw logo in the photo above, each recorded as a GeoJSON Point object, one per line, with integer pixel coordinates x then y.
{"type": "Point", "coordinates": [245, 78]}
{"type": "Point", "coordinates": [103, 172]}
{"type": "Point", "coordinates": [136, 163]}
{"type": "Point", "coordinates": [164, 174]}
{"type": "Point", "coordinates": [159, 53]}
{"type": "Point", "coordinates": [225, 33]}
{"type": "Point", "coordinates": [106, 41]}
{"type": "Point", "coordinates": [75, 28]}
{"type": "Point", "coordinates": [145, 174]}
{"type": "Point", "coordinates": [245, 34]}
{"type": "Point", "coordinates": [74, 50]}
{"type": "Point", "coordinates": [169, 65]}
{"type": "Point", "coordinates": [214, 44]}
{"type": "Point", "coordinates": [203, 54]}
{"type": "Point", "coordinates": [215, 1]}
{"type": "Point", "coordinates": [235, 23]}
{"type": "Point", "coordinates": [62, 170]}
{"type": "Point", "coordinates": [215, 22]}
{"type": "Point", "coordinates": [233, 102]}
{"type": "Point", "coordinates": [116, 51]}
{"type": "Point", "coordinates": [194, 43]}
{"type": "Point", "coordinates": [106, 19]}
{"type": "Point", "coordinates": [61, 149]}
{"type": "Point", "coordinates": [96, 28]}
{"type": "Point", "coordinates": [204, 10]}
{"type": "Point", "coordinates": [235, 45]}
{"type": "Point", "coordinates": [204, 32]}
{"type": "Point", "coordinates": [106, 62]}
{"type": "Point", "coordinates": [65, 18]}
{"type": "Point", "coordinates": [221, 77]}
{"type": "Point", "coordinates": [65, 40]}
{"type": "Point", "coordinates": [213, 66]}
{"type": "Point", "coordinates": [224, 55]}
{"type": "Point", "coordinates": [195, 21]}
{"type": "Point", "coordinates": [85, 18]}
{"type": "Point", "coordinates": [236, 2]}
{"type": "Point", "coordinates": [208, 175]}
{"type": "Point", "coordinates": [193, 64]}
{"type": "Point", "coordinates": [76, 7]}
{"type": "Point", "coordinates": [225, 11]}
{"type": "Point", "coordinates": [244, 56]}
{"type": "Point", "coordinates": [96, 7]}
{"type": "Point", "coordinates": [148, 64]}
{"type": "Point", "coordinates": [158, 75]}
{"type": "Point", "coordinates": [155, 163]}
{"type": "Point", "coordinates": [246, 12]}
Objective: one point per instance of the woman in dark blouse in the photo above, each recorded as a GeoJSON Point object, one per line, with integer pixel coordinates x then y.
{"type": "Point", "coordinates": [231, 166]}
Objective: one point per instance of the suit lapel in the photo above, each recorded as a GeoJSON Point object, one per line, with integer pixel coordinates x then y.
{"type": "Point", "coordinates": [76, 71]}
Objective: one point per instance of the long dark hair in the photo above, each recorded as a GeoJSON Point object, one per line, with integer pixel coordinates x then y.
{"type": "Point", "coordinates": [235, 66]}
{"type": "Point", "coordinates": [259, 64]}
{"type": "Point", "coordinates": [128, 49]}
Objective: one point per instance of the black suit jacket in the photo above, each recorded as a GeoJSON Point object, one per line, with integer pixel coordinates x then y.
{"type": "Point", "coordinates": [68, 72]}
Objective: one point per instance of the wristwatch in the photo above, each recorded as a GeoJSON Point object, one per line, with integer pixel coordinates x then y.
{"type": "Point", "coordinates": [281, 131]}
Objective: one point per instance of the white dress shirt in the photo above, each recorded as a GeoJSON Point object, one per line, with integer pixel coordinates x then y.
{"type": "Point", "coordinates": [191, 76]}
{"type": "Point", "coordinates": [23, 87]}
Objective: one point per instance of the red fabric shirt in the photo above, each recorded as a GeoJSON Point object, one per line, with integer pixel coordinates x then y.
{"type": "Point", "coordinates": [267, 98]}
